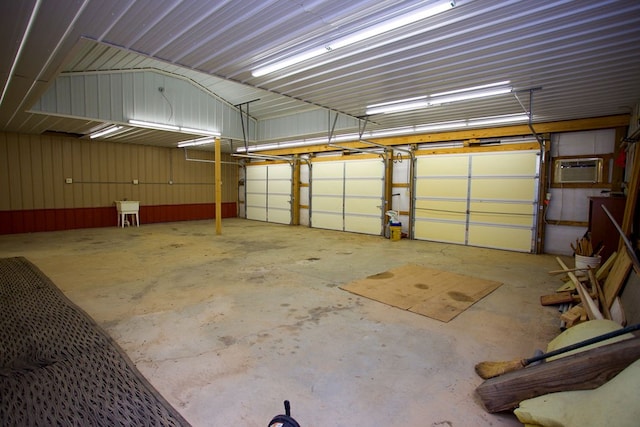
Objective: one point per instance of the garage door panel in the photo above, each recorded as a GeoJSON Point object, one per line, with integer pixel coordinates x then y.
{"type": "Point", "coordinates": [279, 216]}
{"type": "Point", "coordinates": [442, 187]}
{"type": "Point", "coordinates": [499, 190]}
{"type": "Point", "coordinates": [501, 213]}
{"type": "Point", "coordinates": [327, 187]}
{"type": "Point", "coordinates": [279, 201]}
{"type": "Point", "coordinates": [268, 193]}
{"type": "Point", "coordinates": [440, 231]}
{"type": "Point", "coordinates": [505, 164]}
{"type": "Point", "coordinates": [330, 204]}
{"type": "Point", "coordinates": [256, 213]}
{"type": "Point", "coordinates": [333, 170]}
{"type": "Point", "coordinates": [361, 224]}
{"type": "Point", "coordinates": [280, 172]}
{"type": "Point", "coordinates": [330, 221]}
{"type": "Point", "coordinates": [281, 187]}
{"type": "Point", "coordinates": [443, 165]}
{"type": "Point", "coordinates": [518, 239]}
{"type": "Point", "coordinates": [256, 172]}
{"type": "Point", "coordinates": [361, 187]}
{"type": "Point", "coordinates": [258, 200]}
{"type": "Point", "coordinates": [256, 186]}
{"type": "Point", "coordinates": [347, 195]}
{"type": "Point", "coordinates": [362, 206]}
{"type": "Point", "coordinates": [364, 169]}
{"type": "Point", "coordinates": [505, 189]}
{"type": "Point", "coordinates": [441, 209]}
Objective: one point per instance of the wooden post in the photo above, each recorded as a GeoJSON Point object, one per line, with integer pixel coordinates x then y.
{"type": "Point", "coordinates": [218, 179]}
{"type": "Point", "coordinates": [388, 184]}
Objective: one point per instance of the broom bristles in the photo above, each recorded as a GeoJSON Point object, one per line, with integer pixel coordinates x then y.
{"type": "Point", "coordinates": [488, 370]}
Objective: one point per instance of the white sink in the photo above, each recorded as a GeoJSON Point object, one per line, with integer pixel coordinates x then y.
{"type": "Point", "coordinates": [127, 206]}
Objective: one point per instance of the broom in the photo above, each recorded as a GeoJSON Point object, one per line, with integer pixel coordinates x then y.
{"type": "Point", "coordinates": [488, 370]}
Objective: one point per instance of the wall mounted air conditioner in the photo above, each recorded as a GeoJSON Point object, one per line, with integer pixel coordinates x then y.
{"type": "Point", "coordinates": [574, 171]}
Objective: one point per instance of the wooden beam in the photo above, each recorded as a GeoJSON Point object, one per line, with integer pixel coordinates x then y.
{"type": "Point", "coordinates": [586, 370]}
{"type": "Point", "coordinates": [461, 135]}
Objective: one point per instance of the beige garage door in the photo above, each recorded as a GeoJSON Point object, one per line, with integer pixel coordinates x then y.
{"type": "Point", "coordinates": [268, 190]}
{"type": "Point", "coordinates": [481, 199]}
{"type": "Point", "coordinates": [348, 195]}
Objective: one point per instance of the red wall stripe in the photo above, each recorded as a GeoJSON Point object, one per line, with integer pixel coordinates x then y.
{"type": "Point", "coordinates": [36, 220]}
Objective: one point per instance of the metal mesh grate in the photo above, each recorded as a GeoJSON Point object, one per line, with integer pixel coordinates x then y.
{"type": "Point", "coordinates": [58, 367]}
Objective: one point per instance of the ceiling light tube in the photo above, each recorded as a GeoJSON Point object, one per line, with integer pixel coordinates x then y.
{"type": "Point", "coordinates": [392, 24]}
{"type": "Point", "coordinates": [470, 89]}
{"type": "Point", "coordinates": [436, 99]}
{"type": "Point", "coordinates": [199, 131]}
{"type": "Point", "coordinates": [456, 124]}
{"type": "Point", "coordinates": [372, 31]}
{"type": "Point", "coordinates": [397, 107]}
{"type": "Point", "coordinates": [196, 142]}
{"type": "Point", "coordinates": [495, 120]}
{"type": "Point", "coordinates": [150, 125]}
{"type": "Point", "coordinates": [104, 132]}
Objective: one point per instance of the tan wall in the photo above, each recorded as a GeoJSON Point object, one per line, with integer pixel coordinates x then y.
{"type": "Point", "coordinates": [33, 169]}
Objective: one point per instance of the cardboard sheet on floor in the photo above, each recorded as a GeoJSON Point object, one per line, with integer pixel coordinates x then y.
{"type": "Point", "coordinates": [433, 293]}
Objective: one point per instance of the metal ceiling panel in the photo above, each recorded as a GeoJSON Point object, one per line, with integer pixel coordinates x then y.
{"type": "Point", "coordinates": [582, 56]}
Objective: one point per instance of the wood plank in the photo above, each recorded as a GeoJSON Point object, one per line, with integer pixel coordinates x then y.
{"type": "Point", "coordinates": [617, 276]}
{"type": "Point", "coordinates": [598, 289]}
{"type": "Point", "coordinates": [586, 370]}
{"type": "Point", "coordinates": [557, 298]}
{"type": "Point", "coordinates": [572, 316]}
{"type": "Point", "coordinates": [592, 310]}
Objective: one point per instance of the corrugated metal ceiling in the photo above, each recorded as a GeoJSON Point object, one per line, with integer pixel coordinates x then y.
{"type": "Point", "coordinates": [584, 55]}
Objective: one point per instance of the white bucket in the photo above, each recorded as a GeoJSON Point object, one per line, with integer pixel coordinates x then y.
{"type": "Point", "coordinates": [586, 262]}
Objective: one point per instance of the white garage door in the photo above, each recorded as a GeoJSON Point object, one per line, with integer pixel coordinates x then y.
{"type": "Point", "coordinates": [269, 193]}
{"type": "Point", "coordinates": [348, 195]}
{"type": "Point", "coordinates": [480, 199]}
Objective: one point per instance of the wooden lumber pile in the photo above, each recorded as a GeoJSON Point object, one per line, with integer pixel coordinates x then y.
{"type": "Point", "coordinates": [592, 294]}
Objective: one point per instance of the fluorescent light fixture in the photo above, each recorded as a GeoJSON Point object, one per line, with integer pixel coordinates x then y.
{"type": "Point", "coordinates": [268, 69]}
{"type": "Point", "coordinates": [456, 124]}
{"type": "Point", "coordinates": [471, 89]}
{"type": "Point", "coordinates": [482, 91]}
{"type": "Point", "coordinates": [358, 36]}
{"type": "Point", "coordinates": [196, 142]}
{"type": "Point", "coordinates": [162, 126]}
{"type": "Point", "coordinates": [104, 132]}
{"type": "Point", "coordinates": [199, 131]}
{"type": "Point", "coordinates": [496, 120]}
{"type": "Point", "coordinates": [150, 125]}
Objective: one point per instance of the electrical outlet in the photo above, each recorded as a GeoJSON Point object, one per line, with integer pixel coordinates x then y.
{"type": "Point", "coordinates": [68, 180]}
{"type": "Point", "coordinates": [135, 182]}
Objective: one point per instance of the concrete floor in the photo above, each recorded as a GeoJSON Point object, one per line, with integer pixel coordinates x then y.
{"type": "Point", "coordinates": [227, 327]}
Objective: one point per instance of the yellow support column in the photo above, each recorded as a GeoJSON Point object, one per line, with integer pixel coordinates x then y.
{"type": "Point", "coordinates": [218, 179]}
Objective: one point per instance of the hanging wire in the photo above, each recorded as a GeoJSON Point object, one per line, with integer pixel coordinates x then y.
{"type": "Point", "coordinates": [161, 90]}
